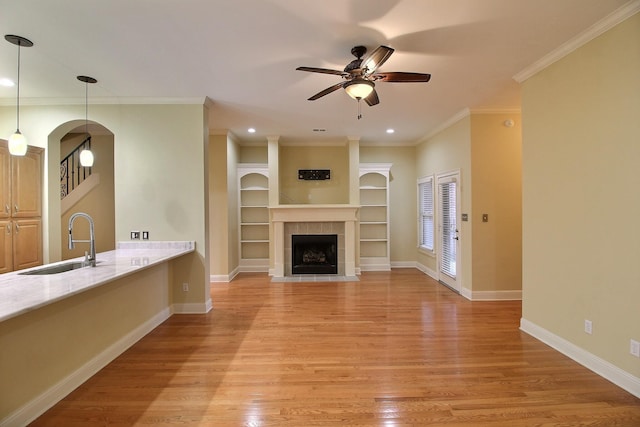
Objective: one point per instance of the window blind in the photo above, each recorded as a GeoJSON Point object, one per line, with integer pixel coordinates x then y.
{"type": "Point", "coordinates": [425, 204]}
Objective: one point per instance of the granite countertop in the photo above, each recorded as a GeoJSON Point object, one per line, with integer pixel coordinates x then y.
{"type": "Point", "coordinates": [22, 293]}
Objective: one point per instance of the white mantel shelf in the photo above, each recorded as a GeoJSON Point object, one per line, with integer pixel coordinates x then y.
{"type": "Point", "coordinates": [347, 214]}
{"type": "Point", "coordinates": [313, 213]}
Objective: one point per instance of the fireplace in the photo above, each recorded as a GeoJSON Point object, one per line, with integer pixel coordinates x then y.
{"type": "Point", "coordinates": [289, 220]}
{"type": "Point", "coordinates": [314, 254]}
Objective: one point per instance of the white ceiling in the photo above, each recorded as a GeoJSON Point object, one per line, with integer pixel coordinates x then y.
{"type": "Point", "coordinates": [242, 54]}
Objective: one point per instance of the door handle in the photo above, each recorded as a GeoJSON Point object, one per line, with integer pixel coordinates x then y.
{"type": "Point", "coordinates": [17, 228]}
{"type": "Point", "coordinates": [16, 208]}
{"type": "Point", "coordinates": [7, 209]}
{"type": "Point", "coordinates": [8, 228]}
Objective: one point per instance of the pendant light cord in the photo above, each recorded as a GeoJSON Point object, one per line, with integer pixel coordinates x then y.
{"type": "Point", "coordinates": [18, 100]}
{"type": "Point", "coordinates": [86, 108]}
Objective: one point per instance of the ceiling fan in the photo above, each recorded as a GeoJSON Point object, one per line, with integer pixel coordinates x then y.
{"type": "Point", "coordinates": [360, 75]}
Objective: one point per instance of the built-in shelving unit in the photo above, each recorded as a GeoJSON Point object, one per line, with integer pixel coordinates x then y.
{"type": "Point", "coordinates": [374, 217]}
{"type": "Point", "coordinates": [253, 186]}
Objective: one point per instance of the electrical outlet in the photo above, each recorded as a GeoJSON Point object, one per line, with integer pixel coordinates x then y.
{"type": "Point", "coordinates": [145, 235]}
{"type": "Point", "coordinates": [588, 326]}
{"type": "Point", "coordinates": [635, 348]}
{"type": "Point", "coordinates": [185, 287]}
{"type": "Point", "coordinates": [135, 235]}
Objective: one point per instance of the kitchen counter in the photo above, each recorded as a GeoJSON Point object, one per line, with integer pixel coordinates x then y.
{"type": "Point", "coordinates": [23, 293]}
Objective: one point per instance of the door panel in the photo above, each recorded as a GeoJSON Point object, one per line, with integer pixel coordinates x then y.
{"type": "Point", "coordinates": [6, 258]}
{"type": "Point", "coordinates": [448, 232]}
{"type": "Point", "coordinates": [26, 184]}
{"type": "Point", "coordinates": [27, 243]}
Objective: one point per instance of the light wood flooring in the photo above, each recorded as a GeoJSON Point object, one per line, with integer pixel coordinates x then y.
{"type": "Point", "coordinates": [394, 349]}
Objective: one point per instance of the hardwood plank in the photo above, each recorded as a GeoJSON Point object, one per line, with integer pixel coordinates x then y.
{"type": "Point", "coordinates": [395, 348]}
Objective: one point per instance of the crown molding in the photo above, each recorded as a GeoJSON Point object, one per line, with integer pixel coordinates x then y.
{"type": "Point", "coordinates": [495, 111]}
{"type": "Point", "coordinates": [605, 24]}
{"type": "Point", "coordinates": [110, 101]}
{"type": "Point", "coordinates": [450, 121]}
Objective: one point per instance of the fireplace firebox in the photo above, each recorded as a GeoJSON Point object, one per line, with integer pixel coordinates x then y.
{"type": "Point", "coordinates": [314, 254]}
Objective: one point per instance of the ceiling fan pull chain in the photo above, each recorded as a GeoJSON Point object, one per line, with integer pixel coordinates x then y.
{"type": "Point", "coordinates": [359, 110]}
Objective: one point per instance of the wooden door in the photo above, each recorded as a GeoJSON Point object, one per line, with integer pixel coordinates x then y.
{"type": "Point", "coordinates": [6, 257]}
{"type": "Point", "coordinates": [5, 181]}
{"type": "Point", "coordinates": [26, 184]}
{"type": "Point", "coordinates": [27, 243]}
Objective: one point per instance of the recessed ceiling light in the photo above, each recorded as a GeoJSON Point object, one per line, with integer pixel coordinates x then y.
{"type": "Point", "coordinates": [251, 130]}
{"type": "Point", "coordinates": [390, 130]}
{"type": "Point", "coordinates": [7, 82]}
{"type": "Point", "coordinates": [319, 130]}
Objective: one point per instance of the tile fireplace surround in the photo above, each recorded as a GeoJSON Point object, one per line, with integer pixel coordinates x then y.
{"type": "Point", "coordinates": [314, 219]}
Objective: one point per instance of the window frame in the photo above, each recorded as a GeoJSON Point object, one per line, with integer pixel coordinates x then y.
{"type": "Point", "coordinates": [422, 214]}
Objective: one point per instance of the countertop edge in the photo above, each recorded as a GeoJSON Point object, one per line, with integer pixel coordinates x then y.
{"type": "Point", "coordinates": [123, 252]}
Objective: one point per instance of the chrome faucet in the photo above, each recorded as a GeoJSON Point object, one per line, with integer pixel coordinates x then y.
{"type": "Point", "coordinates": [89, 258]}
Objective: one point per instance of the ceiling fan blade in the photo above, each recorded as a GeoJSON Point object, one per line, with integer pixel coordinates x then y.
{"type": "Point", "coordinates": [400, 77]}
{"type": "Point", "coordinates": [372, 99]}
{"type": "Point", "coordinates": [376, 59]}
{"type": "Point", "coordinates": [322, 70]}
{"type": "Point", "coordinates": [327, 91]}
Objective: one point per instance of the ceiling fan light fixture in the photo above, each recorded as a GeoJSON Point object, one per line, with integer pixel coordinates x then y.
{"type": "Point", "coordinates": [359, 88]}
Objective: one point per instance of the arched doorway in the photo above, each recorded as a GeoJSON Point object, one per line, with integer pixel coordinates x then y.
{"type": "Point", "coordinates": [92, 194]}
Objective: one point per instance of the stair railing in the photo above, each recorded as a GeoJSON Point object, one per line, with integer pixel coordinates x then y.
{"type": "Point", "coordinates": [72, 173]}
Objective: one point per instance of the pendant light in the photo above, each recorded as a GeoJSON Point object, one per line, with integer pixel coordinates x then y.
{"type": "Point", "coordinates": [86, 156]}
{"type": "Point", "coordinates": [17, 141]}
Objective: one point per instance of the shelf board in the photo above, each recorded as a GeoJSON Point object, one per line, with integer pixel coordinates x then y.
{"type": "Point", "coordinates": [253, 223]}
{"type": "Point", "coordinates": [373, 222]}
{"type": "Point", "coordinates": [254, 189]}
{"type": "Point", "coordinates": [372, 187]}
{"type": "Point", "coordinates": [373, 240]}
{"type": "Point", "coordinates": [373, 206]}
{"type": "Point", "coordinates": [253, 206]}
{"type": "Point", "coordinates": [254, 241]}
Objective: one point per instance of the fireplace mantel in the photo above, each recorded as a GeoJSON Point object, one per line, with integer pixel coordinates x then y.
{"type": "Point", "coordinates": [347, 214]}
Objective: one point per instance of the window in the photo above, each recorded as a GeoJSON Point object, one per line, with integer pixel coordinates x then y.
{"type": "Point", "coordinates": [425, 214]}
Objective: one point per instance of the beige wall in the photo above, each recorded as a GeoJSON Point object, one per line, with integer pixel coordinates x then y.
{"type": "Point", "coordinates": [447, 151]}
{"type": "Point", "coordinates": [159, 176]}
{"type": "Point", "coordinates": [402, 197]}
{"type": "Point", "coordinates": [496, 170]}
{"type": "Point", "coordinates": [581, 242]}
{"type": "Point", "coordinates": [219, 205]}
{"type": "Point", "coordinates": [334, 190]}
{"type": "Point", "coordinates": [99, 203]}
{"type": "Point", "coordinates": [253, 154]}
{"type": "Point", "coordinates": [232, 197]}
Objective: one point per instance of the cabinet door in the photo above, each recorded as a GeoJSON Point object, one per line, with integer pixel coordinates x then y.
{"type": "Point", "coordinates": [6, 258]}
{"type": "Point", "coordinates": [27, 243]}
{"type": "Point", "coordinates": [26, 184]}
{"type": "Point", "coordinates": [5, 181]}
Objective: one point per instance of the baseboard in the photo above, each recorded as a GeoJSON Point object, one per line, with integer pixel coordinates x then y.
{"type": "Point", "coordinates": [192, 308]}
{"type": "Point", "coordinates": [426, 270]}
{"type": "Point", "coordinates": [514, 295]}
{"type": "Point", "coordinates": [53, 395]}
{"type": "Point", "coordinates": [600, 366]}
{"type": "Point", "coordinates": [375, 267]}
{"type": "Point", "coordinates": [375, 264]}
{"type": "Point", "coordinates": [224, 278]}
{"type": "Point", "coordinates": [403, 264]}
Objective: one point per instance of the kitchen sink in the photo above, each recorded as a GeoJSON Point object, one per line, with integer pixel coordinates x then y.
{"type": "Point", "coordinates": [55, 269]}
